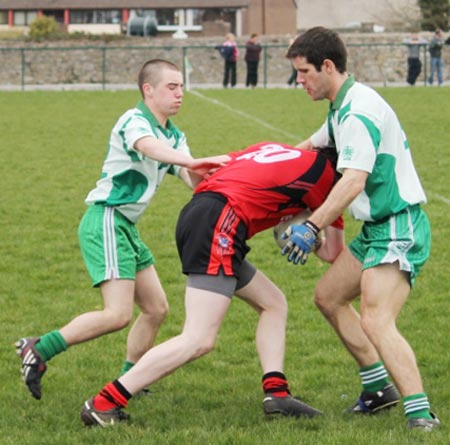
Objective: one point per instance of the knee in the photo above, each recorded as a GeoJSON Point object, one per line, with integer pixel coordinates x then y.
{"type": "Point", "coordinates": [322, 301]}
{"type": "Point", "coordinates": [199, 346]}
{"type": "Point", "coordinates": [159, 313]}
{"type": "Point", "coordinates": [373, 327]}
{"type": "Point", "coordinates": [118, 320]}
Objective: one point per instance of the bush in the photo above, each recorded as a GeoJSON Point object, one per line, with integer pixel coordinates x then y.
{"type": "Point", "coordinates": [43, 27]}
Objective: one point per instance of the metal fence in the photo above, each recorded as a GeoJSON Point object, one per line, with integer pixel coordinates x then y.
{"type": "Point", "coordinates": [112, 67]}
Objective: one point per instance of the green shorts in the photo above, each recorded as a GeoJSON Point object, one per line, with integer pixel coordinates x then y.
{"type": "Point", "coordinates": [111, 245]}
{"type": "Point", "coordinates": [404, 237]}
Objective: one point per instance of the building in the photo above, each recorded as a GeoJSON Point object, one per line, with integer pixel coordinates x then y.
{"type": "Point", "coordinates": [366, 15]}
{"type": "Point", "coordinates": [182, 17]}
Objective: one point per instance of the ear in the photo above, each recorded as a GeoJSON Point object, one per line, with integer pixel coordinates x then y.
{"type": "Point", "coordinates": [329, 66]}
{"type": "Point", "coordinates": [147, 89]}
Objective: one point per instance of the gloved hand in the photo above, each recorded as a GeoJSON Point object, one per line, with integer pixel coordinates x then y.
{"type": "Point", "coordinates": [301, 241]}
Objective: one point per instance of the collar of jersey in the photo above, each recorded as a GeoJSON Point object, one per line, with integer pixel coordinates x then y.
{"type": "Point", "coordinates": [350, 81]}
{"type": "Point", "coordinates": [167, 131]}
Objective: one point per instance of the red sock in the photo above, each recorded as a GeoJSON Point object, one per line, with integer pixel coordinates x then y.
{"type": "Point", "coordinates": [112, 395]}
{"type": "Point", "coordinates": [276, 384]}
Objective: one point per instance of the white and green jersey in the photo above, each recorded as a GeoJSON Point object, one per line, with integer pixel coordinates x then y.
{"type": "Point", "coordinates": [369, 137]}
{"type": "Point", "coordinates": [129, 179]}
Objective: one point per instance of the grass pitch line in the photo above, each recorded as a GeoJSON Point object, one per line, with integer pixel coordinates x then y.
{"type": "Point", "coordinates": [439, 197]}
{"type": "Point", "coordinates": [246, 116]}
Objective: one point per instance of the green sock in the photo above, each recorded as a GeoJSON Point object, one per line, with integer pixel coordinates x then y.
{"type": "Point", "coordinates": [50, 345]}
{"type": "Point", "coordinates": [126, 367]}
{"type": "Point", "coordinates": [417, 406]}
{"type": "Point", "coordinates": [373, 377]}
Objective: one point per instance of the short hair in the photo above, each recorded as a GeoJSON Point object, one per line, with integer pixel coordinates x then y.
{"type": "Point", "coordinates": [318, 44]}
{"type": "Point", "coordinates": [151, 72]}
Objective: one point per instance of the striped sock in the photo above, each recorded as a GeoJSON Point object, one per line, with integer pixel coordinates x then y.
{"type": "Point", "coordinates": [113, 395]}
{"type": "Point", "coordinates": [50, 345]}
{"type": "Point", "coordinates": [276, 384]}
{"type": "Point", "coordinates": [417, 406]}
{"type": "Point", "coordinates": [373, 377]}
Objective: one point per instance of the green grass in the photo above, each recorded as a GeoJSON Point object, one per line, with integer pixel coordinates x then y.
{"type": "Point", "coordinates": [53, 145]}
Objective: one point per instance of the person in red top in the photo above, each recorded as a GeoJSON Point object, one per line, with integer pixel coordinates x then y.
{"type": "Point", "coordinates": [254, 191]}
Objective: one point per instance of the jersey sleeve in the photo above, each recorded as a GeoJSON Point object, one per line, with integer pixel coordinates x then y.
{"type": "Point", "coordinates": [136, 128]}
{"type": "Point", "coordinates": [321, 138]}
{"type": "Point", "coordinates": [361, 143]}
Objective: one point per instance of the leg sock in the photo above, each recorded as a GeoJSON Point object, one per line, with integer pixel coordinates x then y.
{"type": "Point", "coordinates": [113, 395]}
{"type": "Point", "coordinates": [417, 406]}
{"type": "Point", "coordinates": [275, 383]}
{"type": "Point", "coordinates": [373, 377]}
{"type": "Point", "coordinates": [50, 345]}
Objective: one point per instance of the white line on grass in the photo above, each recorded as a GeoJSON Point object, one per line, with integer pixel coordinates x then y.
{"type": "Point", "coordinates": [246, 116]}
{"type": "Point", "coordinates": [439, 197]}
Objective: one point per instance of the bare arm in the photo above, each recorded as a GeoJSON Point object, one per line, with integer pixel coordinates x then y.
{"type": "Point", "coordinates": [332, 244]}
{"type": "Point", "coordinates": [194, 169]}
{"type": "Point", "coordinates": [343, 193]}
{"type": "Point", "coordinates": [305, 145]}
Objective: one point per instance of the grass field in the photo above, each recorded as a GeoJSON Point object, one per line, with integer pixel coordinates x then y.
{"type": "Point", "coordinates": [53, 144]}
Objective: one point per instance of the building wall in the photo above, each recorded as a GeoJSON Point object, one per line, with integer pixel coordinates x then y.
{"type": "Point", "coordinates": [390, 14]}
{"type": "Point", "coordinates": [270, 17]}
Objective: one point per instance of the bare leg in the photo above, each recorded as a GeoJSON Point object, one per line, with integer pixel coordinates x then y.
{"type": "Point", "coordinates": [384, 292]}
{"type": "Point", "coordinates": [335, 292]}
{"type": "Point", "coordinates": [118, 297]}
{"type": "Point", "coordinates": [204, 314]}
{"type": "Point", "coordinates": [271, 305]}
{"type": "Point", "coordinates": [151, 299]}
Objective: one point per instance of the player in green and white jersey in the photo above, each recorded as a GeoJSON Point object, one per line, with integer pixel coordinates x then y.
{"type": "Point", "coordinates": [144, 146]}
{"type": "Point", "coordinates": [379, 186]}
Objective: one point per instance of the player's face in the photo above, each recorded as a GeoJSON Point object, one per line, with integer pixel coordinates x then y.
{"type": "Point", "coordinates": [316, 83]}
{"type": "Point", "coordinates": [167, 94]}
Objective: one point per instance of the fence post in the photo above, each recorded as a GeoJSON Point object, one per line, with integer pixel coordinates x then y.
{"type": "Point", "coordinates": [103, 68]}
{"type": "Point", "coordinates": [265, 66]}
{"type": "Point", "coordinates": [22, 69]}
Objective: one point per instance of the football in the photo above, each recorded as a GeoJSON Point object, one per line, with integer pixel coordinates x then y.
{"type": "Point", "coordinates": [299, 218]}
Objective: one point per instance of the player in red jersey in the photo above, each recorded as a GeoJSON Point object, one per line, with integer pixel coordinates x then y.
{"type": "Point", "coordinates": [254, 191]}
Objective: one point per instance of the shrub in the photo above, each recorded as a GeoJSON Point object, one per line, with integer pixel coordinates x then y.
{"type": "Point", "coordinates": [43, 27]}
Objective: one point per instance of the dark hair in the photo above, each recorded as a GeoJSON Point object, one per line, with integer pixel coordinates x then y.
{"type": "Point", "coordinates": [151, 72]}
{"type": "Point", "coordinates": [318, 44]}
{"type": "Point", "coordinates": [329, 152]}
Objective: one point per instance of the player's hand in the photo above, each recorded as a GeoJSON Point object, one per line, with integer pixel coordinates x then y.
{"type": "Point", "coordinates": [301, 241]}
{"type": "Point", "coordinates": [205, 167]}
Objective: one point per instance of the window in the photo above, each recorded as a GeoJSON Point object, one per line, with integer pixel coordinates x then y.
{"type": "Point", "coordinates": [95, 16]}
{"type": "Point", "coordinates": [24, 18]}
{"type": "Point", "coordinates": [163, 16]}
{"type": "Point", "coordinates": [3, 18]}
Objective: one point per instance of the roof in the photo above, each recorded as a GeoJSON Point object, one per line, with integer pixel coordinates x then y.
{"type": "Point", "coordinates": [120, 4]}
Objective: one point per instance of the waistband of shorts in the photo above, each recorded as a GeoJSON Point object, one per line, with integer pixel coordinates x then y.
{"type": "Point", "coordinates": [413, 207]}
{"type": "Point", "coordinates": [213, 195]}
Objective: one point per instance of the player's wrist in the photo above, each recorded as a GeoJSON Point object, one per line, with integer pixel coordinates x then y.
{"type": "Point", "coordinates": [311, 226]}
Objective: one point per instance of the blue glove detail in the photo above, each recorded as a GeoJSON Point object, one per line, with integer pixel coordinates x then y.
{"type": "Point", "coordinates": [301, 241]}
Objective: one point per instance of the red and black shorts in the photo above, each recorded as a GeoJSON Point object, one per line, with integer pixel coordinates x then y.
{"type": "Point", "coordinates": [211, 239]}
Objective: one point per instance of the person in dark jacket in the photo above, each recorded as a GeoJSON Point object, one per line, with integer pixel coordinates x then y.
{"type": "Point", "coordinates": [252, 54]}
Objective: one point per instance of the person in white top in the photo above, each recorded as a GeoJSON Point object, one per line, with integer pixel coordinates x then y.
{"type": "Point", "coordinates": [380, 186]}
{"type": "Point", "coordinates": [144, 145]}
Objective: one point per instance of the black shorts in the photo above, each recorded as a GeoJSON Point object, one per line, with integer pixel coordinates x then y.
{"type": "Point", "coordinates": [210, 236]}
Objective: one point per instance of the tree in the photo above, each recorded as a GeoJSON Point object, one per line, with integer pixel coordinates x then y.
{"type": "Point", "coordinates": [435, 14]}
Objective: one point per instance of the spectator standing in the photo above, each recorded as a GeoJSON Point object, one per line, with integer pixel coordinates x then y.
{"type": "Point", "coordinates": [230, 53]}
{"type": "Point", "coordinates": [252, 54]}
{"type": "Point", "coordinates": [414, 44]}
{"type": "Point", "coordinates": [435, 49]}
